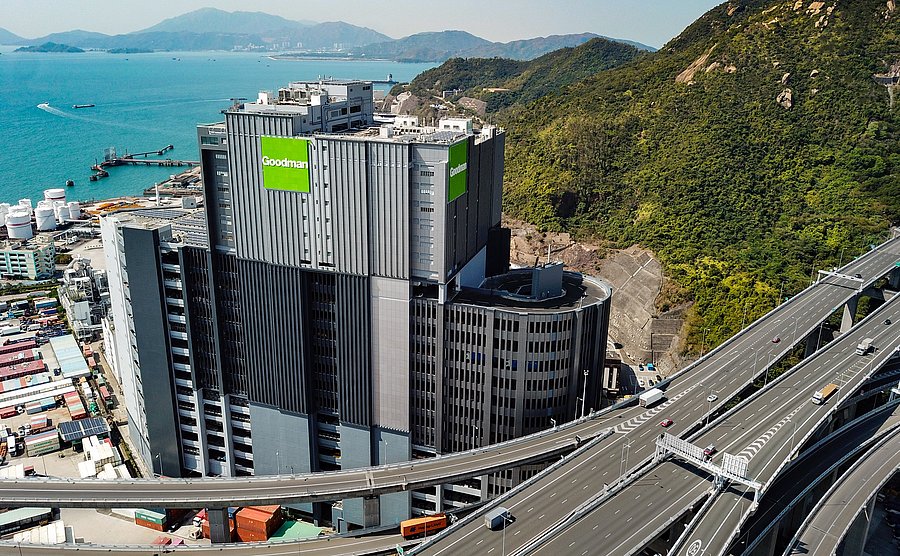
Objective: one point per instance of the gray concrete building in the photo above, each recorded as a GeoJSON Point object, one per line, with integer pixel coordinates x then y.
{"type": "Point", "coordinates": [347, 302]}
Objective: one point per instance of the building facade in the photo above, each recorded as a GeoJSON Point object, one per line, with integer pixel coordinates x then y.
{"type": "Point", "coordinates": [344, 299]}
{"type": "Point", "coordinates": [34, 259]}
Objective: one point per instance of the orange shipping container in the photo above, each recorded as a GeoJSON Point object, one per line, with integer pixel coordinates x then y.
{"type": "Point", "coordinates": [252, 519]}
{"type": "Point", "coordinates": [148, 524]}
{"type": "Point", "coordinates": [421, 525]}
{"type": "Point", "coordinates": [251, 536]}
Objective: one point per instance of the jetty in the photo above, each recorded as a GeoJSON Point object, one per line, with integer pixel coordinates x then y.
{"type": "Point", "coordinates": [136, 159]}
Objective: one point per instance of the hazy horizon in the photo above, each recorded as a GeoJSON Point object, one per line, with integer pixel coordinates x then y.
{"type": "Point", "coordinates": [652, 22]}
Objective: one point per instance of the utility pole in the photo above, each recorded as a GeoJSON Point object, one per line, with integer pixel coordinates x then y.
{"type": "Point", "coordinates": [584, 391]}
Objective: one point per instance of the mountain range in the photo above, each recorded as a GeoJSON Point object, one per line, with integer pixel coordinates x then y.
{"type": "Point", "coordinates": [760, 143]}
{"type": "Point", "coordinates": [214, 29]}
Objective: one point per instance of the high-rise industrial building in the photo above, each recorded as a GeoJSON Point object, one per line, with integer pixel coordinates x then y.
{"type": "Point", "coordinates": [343, 299]}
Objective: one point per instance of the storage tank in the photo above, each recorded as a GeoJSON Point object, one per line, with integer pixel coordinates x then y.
{"type": "Point", "coordinates": [74, 211]}
{"type": "Point", "coordinates": [26, 205]}
{"type": "Point", "coordinates": [4, 210]}
{"type": "Point", "coordinates": [18, 224]}
{"type": "Point", "coordinates": [55, 194]}
{"type": "Point", "coordinates": [62, 213]}
{"type": "Point", "coordinates": [44, 218]}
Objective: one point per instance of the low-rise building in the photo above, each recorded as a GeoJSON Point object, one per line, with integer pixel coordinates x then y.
{"type": "Point", "coordinates": [33, 259]}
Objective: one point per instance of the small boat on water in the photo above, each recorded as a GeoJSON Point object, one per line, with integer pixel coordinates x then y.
{"type": "Point", "coordinates": [83, 105]}
{"type": "Point", "coordinates": [70, 183]}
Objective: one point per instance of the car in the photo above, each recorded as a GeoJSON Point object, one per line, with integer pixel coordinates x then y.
{"type": "Point", "coordinates": [641, 381]}
{"type": "Point", "coordinates": [658, 378]}
{"type": "Point", "coordinates": [709, 450]}
{"type": "Point", "coordinates": [666, 423]}
{"type": "Point", "coordinates": [858, 275]}
{"type": "Point", "coordinates": [776, 339]}
{"type": "Point", "coordinates": [711, 398]}
{"type": "Point", "coordinates": [649, 382]}
{"type": "Point", "coordinates": [887, 321]}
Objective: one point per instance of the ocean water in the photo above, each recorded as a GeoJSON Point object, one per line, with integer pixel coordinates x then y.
{"type": "Point", "coordinates": [143, 102]}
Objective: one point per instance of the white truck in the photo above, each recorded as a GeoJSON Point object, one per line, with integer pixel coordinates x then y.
{"type": "Point", "coordinates": [497, 518]}
{"type": "Point", "coordinates": [865, 346]}
{"type": "Point", "coordinates": [650, 397]}
{"type": "Point", "coordinates": [10, 330]}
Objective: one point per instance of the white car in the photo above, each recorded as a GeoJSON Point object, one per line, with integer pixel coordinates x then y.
{"type": "Point", "coordinates": [711, 398]}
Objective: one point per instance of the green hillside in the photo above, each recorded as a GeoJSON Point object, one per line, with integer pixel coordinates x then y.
{"type": "Point", "coordinates": [751, 149]}
{"type": "Point", "coordinates": [526, 81]}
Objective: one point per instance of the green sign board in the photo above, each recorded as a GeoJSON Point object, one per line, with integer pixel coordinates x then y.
{"type": "Point", "coordinates": [458, 164]}
{"type": "Point", "coordinates": [285, 162]}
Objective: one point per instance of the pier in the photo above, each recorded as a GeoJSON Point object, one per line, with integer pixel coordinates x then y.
{"type": "Point", "coordinates": [137, 159]}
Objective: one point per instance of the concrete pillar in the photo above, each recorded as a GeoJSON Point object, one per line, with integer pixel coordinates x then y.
{"type": "Point", "coordinates": [855, 540]}
{"type": "Point", "coordinates": [849, 314]}
{"type": "Point", "coordinates": [894, 278]}
{"type": "Point", "coordinates": [812, 342]}
{"type": "Point", "coordinates": [219, 525]}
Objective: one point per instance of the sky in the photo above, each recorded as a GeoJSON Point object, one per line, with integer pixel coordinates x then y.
{"type": "Point", "coordinates": [652, 22]}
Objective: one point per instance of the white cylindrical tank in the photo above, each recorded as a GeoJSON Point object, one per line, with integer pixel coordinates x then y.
{"type": "Point", "coordinates": [74, 211]}
{"type": "Point", "coordinates": [4, 210]}
{"type": "Point", "coordinates": [18, 224]}
{"type": "Point", "coordinates": [62, 213]}
{"type": "Point", "coordinates": [44, 218]}
{"type": "Point", "coordinates": [25, 204]}
{"type": "Point", "coordinates": [55, 194]}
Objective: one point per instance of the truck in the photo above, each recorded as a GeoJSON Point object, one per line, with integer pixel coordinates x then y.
{"type": "Point", "coordinates": [10, 330]}
{"type": "Point", "coordinates": [865, 346]}
{"type": "Point", "coordinates": [419, 526]}
{"type": "Point", "coordinates": [498, 517]}
{"type": "Point", "coordinates": [822, 395]}
{"type": "Point", "coordinates": [650, 397]}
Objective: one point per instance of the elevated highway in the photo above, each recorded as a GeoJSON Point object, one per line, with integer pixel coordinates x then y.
{"type": "Point", "coordinates": [623, 521]}
{"type": "Point", "coordinates": [728, 369]}
{"type": "Point", "coordinates": [829, 523]}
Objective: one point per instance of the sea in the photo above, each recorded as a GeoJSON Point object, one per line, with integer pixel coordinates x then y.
{"type": "Point", "coordinates": [143, 102]}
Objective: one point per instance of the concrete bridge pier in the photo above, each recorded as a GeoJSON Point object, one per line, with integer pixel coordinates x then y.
{"type": "Point", "coordinates": [811, 342]}
{"type": "Point", "coordinates": [855, 541]}
{"type": "Point", "coordinates": [849, 314]}
{"type": "Point", "coordinates": [894, 279]}
{"type": "Point", "coordinates": [219, 525]}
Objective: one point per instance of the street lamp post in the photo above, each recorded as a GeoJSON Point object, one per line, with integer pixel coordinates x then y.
{"type": "Point", "coordinates": [623, 463]}
{"type": "Point", "coordinates": [841, 262]}
{"type": "Point", "coordinates": [278, 462]}
{"type": "Point", "coordinates": [703, 342]}
{"type": "Point", "coordinates": [506, 521]}
{"type": "Point", "coordinates": [159, 461]}
{"type": "Point", "coordinates": [584, 391]}
{"type": "Point", "coordinates": [780, 294]}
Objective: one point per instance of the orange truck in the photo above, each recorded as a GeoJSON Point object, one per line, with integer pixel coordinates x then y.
{"type": "Point", "coordinates": [423, 525]}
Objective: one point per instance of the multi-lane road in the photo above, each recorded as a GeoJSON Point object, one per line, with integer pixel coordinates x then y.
{"type": "Point", "coordinates": [832, 517]}
{"type": "Point", "coordinates": [650, 503]}
{"type": "Point", "coordinates": [726, 371]}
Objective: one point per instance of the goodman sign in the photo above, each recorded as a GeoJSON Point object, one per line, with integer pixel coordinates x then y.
{"type": "Point", "coordinates": [458, 166]}
{"type": "Point", "coordinates": [285, 163]}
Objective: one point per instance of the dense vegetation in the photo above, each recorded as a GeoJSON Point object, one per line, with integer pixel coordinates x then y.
{"type": "Point", "coordinates": [526, 81]}
{"type": "Point", "coordinates": [734, 191]}
{"type": "Point", "coordinates": [50, 47]}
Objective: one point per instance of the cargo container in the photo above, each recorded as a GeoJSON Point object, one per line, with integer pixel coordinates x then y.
{"type": "Point", "coordinates": [7, 412]}
{"type": "Point", "coordinates": [153, 516]}
{"type": "Point", "coordinates": [40, 424]}
{"type": "Point", "coordinates": [496, 518]}
{"type": "Point", "coordinates": [44, 303]}
{"type": "Point", "coordinates": [421, 526]}
{"type": "Point", "coordinates": [148, 524]}
{"type": "Point", "coordinates": [651, 397]}
{"type": "Point", "coordinates": [205, 528]}
{"type": "Point", "coordinates": [243, 535]}
{"type": "Point", "coordinates": [162, 540]}
{"type": "Point", "coordinates": [822, 395]}
{"type": "Point", "coordinates": [252, 519]}
{"type": "Point", "coordinates": [43, 443]}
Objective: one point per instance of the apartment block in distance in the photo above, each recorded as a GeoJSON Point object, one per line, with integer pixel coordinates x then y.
{"type": "Point", "coordinates": [342, 299]}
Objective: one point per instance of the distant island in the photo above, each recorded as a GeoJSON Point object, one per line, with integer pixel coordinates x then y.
{"type": "Point", "coordinates": [129, 51]}
{"type": "Point", "coordinates": [210, 29]}
{"type": "Point", "coordinates": [50, 47]}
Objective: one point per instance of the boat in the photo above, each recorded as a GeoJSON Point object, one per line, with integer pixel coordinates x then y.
{"type": "Point", "coordinates": [83, 105]}
{"type": "Point", "coordinates": [70, 183]}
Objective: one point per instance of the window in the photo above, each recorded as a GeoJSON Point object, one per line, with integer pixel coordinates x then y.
{"type": "Point", "coordinates": [221, 156]}
{"type": "Point", "coordinates": [207, 140]}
